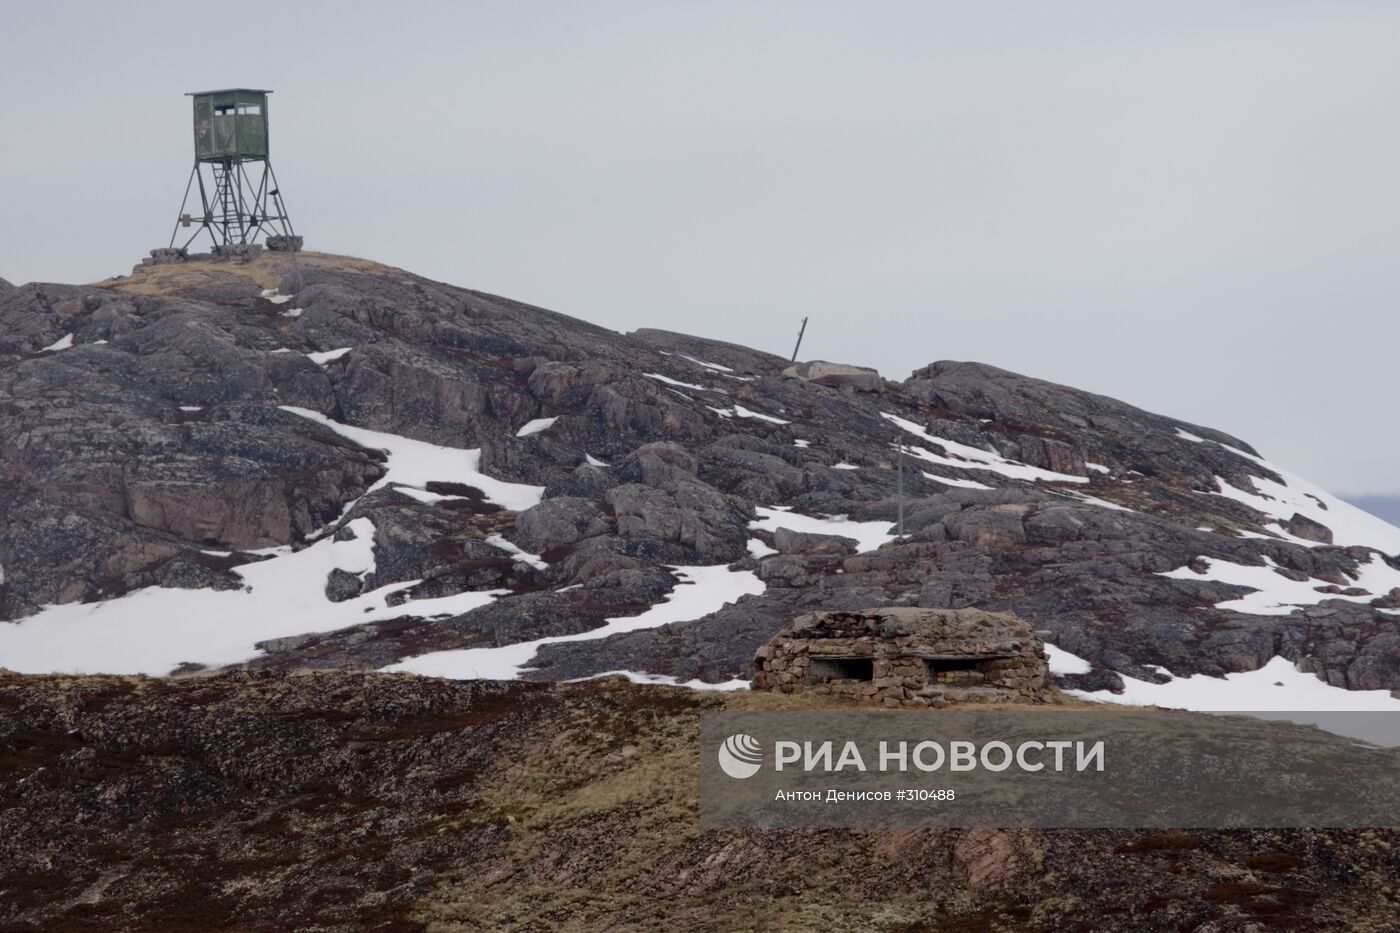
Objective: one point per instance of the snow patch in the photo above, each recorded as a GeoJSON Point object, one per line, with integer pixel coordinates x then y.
{"type": "Point", "coordinates": [593, 461]}
{"type": "Point", "coordinates": [271, 295]}
{"type": "Point", "coordinates": [1097, 467]}
{"type": "Point", "coordinates": [326, 356]}
{"type": "Point", "coordinates": [677, 383]}
{"type": "Point", "coordinates": [868, 535]}
{"type": "Point", "coordinates": [1349, 525]}
{"type": "Point", "coordinates": [742, 412]}
{"type": "Point", "coordinates": [843, 465]}
{"type": "Point", "coordinates": [293, 312]}
{"type": "Point", "coordinates": [1095, 500]}
{"type": "Point", "coordinates": [1277, 686]}
{"type": "Point", "coordinates": [427, 498]}
{"type": "Point", "coordinates": [699, 591]}
{"type": "Point", "coordinates": [1065, 662]}
{"type": "Point", "coordinates": [739, 411]}
{"type": "Point", "coordinates": [1188, 436]}
{"type": "Point", "coordinates": [62, 343]}
{"type": "Point", "coordinates": [1277, 595]}
{"type": "Point", "coordinates": [950, 481]}
{"type": "Point", "coordinates": [192, 408]}
{"type": "Point", "coordinates": [668, 681]}
{"type": "Point", "coordinates": [760, 550]}
{"type": "Point", "coordinates": [416, 463]}
{"type": "Point", "coordinates": [715, 366]}
{"type": "Point", "coordinates": [510, 547]}
{"type": "Point", "coordinates": [801, 443]}
{"type": "Point", "coordinates": [535, 426]}
{"type": "Point", "coordinates": [963, 457]}
{"type": "Point", "coordinates": [154, 630]}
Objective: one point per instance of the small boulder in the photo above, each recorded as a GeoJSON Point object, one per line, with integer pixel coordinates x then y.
{"type": "Point", "coordinates": [667, 452]}
{"type": "Point", "coordinates": [712, 527]}
{"type": "Point", "coordinates": [285, 244]}
{"type": "Point", "coordinates": [533, 459]}
{"type": "Point", "coordinates": [836, 375]}
{"type": "Point", "coordinates": [796, 542]}
{"type": "Point", "coordinates": [1307, 529]}
{"type": "Point", "coordinates": [586, 481]}
{"type": "Point", "coordinates": [342, 585]}
{"type": "Point", "coordinates": [557, 522]}
{"type": "Point", "coordinates": [1051, 454]}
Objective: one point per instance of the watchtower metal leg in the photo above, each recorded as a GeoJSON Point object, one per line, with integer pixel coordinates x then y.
{"type": "Point", "coordinates": [176, 232]}
{"type": "Point", "coordinates": [237, 211]}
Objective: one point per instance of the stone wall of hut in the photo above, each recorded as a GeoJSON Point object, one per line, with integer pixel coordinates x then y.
{"type": "Point", "coordinates": [910, 671]}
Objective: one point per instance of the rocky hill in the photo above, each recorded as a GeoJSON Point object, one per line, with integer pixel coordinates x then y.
{"type": "Point", "coordinates": [315, 461]}
{"type": "Point", "coordinates": [244, 473]}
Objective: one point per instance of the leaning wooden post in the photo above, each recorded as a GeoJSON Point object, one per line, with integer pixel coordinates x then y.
{"type": "Point", "coordinates": [800, 332]}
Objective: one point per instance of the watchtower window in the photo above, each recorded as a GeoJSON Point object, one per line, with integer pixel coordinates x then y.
{"type": "Point", "coordinates": [827, 670]}
{"type": "Point", "coordinates": [251, 110]}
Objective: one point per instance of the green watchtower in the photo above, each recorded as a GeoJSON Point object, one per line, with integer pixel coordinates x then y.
{"type": "Point", "coordinates": [240, 199]}
{"type": "Point", "coordinates": [230, 124]}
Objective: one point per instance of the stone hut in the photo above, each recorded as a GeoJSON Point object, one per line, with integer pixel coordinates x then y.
{"type": "Point", "coordinates": [907, 657]}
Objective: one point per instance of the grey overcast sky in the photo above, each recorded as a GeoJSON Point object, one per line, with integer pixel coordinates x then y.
{"type": "Point", "coordinates": [1192, 206]}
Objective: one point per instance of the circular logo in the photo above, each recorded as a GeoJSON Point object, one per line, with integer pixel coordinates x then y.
{"type": "Point", "coordinates": [740, 756]}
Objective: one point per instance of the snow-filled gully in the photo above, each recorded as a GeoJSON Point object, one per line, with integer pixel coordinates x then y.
{"type": "Point", "coordinates": [698, 592]}
{"type": "Point", "coordinates": [154, 630]}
